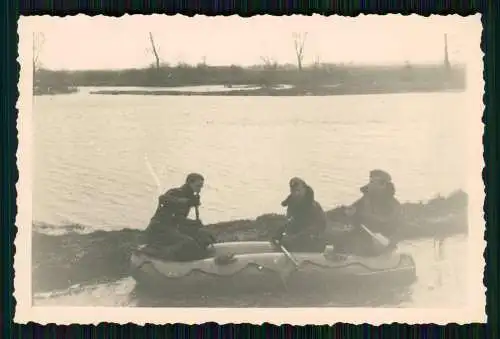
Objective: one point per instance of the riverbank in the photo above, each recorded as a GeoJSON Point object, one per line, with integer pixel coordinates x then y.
{"type": "Point", "coordinates": [294, 91]}
{"type": "Point", "coordinates": [79, 255]}
{"type": "Point", "coordinates": [39, 90]}
{"type": "Point", "coordinates": [260, 80]}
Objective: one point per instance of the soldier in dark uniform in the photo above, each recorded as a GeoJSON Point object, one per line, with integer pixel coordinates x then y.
{"type": "Point", "coordinates": [170, 233]}
{"type": "Point", "coordinates": [379, 210]}
{"type": "Point", "coordinates": [304, 231]}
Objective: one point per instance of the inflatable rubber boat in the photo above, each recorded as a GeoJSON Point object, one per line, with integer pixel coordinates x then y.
{"type": "Point", "coordinates": [258, 266]}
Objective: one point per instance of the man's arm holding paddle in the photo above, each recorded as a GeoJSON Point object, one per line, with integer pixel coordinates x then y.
{"type": "Point", "coordinates": [174, 196]}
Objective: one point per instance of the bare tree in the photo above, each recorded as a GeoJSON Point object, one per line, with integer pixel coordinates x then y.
{"type": "Point", "coordinates": [446, 58]}
{"type": "Point", "coordinates": [269, 63]}
{"type": "Point", "coordinates": [38, 41]}
{"type": "Point", "coordinates": [154, 50]}
{"type": "Point", "coordinates": [202, 63]}
{"type": "Point", "coordinates": [317, 62]}
{"type": "Point", "coordinates": [299, 41]}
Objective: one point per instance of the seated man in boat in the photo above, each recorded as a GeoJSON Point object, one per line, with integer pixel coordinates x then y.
{"type": "Point", "coordinates": [304, 231]}
{"type": "Point", "coordinates": [170, 233]}
{"type": "Point", "coordinates": [377, 209]}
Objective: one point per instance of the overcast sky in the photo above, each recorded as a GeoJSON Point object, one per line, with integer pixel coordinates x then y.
{"type": "Point", "coordinates": [83, 42]}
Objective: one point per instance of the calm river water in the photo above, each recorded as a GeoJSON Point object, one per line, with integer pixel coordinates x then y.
{"type": "Point", "coordinates": [92, 154]}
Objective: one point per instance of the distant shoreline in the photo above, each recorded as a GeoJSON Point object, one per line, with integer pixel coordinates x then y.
{"type": "Point", "coordinates": [323, 80]}
{"type": "Point", "coordinates": [277, 92]}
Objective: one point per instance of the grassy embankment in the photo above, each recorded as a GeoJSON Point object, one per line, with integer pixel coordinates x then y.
{"type": "Point", "coordinates": [62, 260]}
{"type": "Point", "coordinates": [325, 79]}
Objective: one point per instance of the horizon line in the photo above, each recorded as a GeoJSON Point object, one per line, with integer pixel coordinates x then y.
{"type": "Point", "coordinates": [181, 64]}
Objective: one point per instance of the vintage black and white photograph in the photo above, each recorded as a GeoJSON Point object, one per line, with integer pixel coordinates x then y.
{"type": "Point", "coordinates": [219, 168]}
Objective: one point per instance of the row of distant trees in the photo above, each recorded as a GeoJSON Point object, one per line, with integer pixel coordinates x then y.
{"type": "Point", "coordinates": [299, 40]}
{"type": "Point", "coordinates": [310, 76]}
{"type": "Point", "coordinates": [269, 72]}
{"type": "Point", "coordinates": [268, 63]}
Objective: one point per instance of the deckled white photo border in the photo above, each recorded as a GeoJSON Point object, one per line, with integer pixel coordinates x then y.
{"type": "Point", "coordinates": [25, 312]}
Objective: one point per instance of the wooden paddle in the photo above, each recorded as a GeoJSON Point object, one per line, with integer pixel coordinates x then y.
{"type": "Point", "coordinates": [153, 174]}
{"type": "Point", "coordinates": [377, 236]}
{"type": "Point", "coordinates": [197, 212]}
{"type": "Point", "coordinates": [288, 254]}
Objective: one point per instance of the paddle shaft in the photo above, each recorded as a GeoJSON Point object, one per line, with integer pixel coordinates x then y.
{"type": "Point", "coordinates": [367, 230]}
{"type": "Point", "coordinates": [379, 237]}
{"type": "Point", "coordinates": [153, 174]}
{"type": "Point", "coordinates": [288, 254]}
{"type": "Point", "coordinates": [197, 210]}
